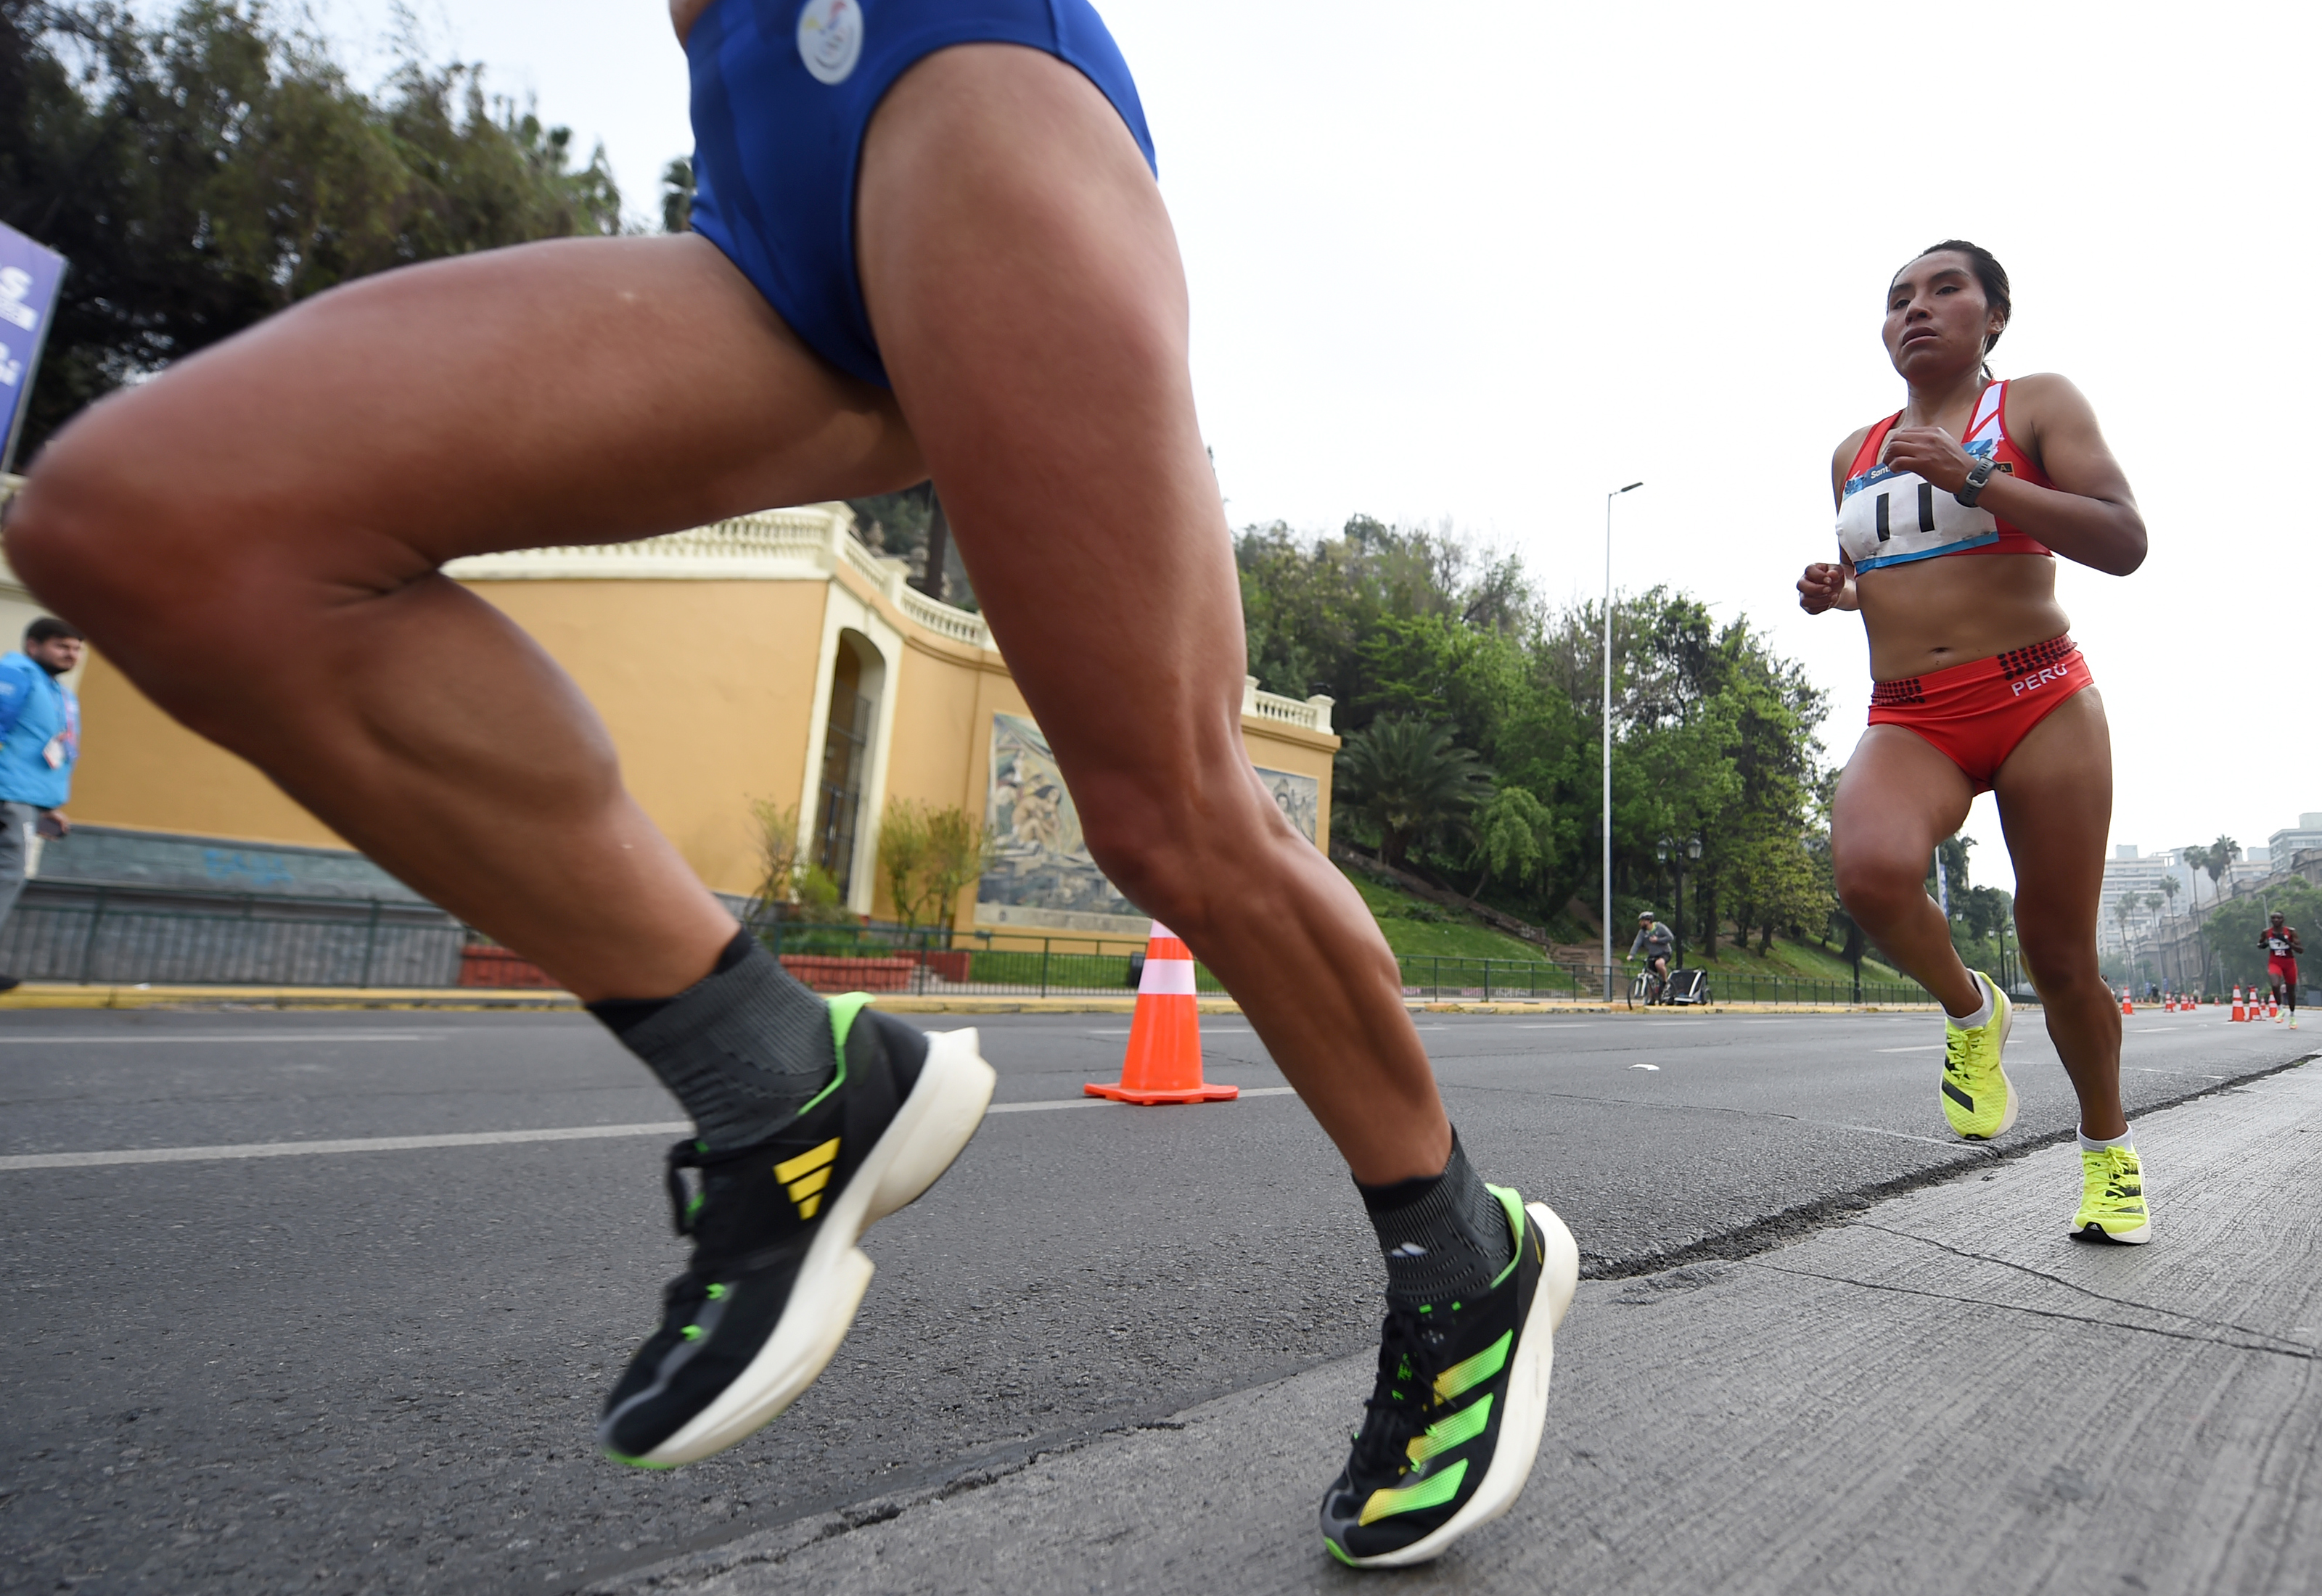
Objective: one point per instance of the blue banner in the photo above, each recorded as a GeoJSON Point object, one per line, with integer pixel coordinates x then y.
{"type": "Point", "coordinates": [30, 275]}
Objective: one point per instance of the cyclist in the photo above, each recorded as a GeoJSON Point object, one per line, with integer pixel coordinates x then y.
{"type": "Point", "coordinates": [1658, 943]}
{"type": "Point", "coordinates": [2282, 946]}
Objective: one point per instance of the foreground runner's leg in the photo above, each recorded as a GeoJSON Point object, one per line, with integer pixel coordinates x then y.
{"type": "Point", "coordinates": [1898, 798]}
{"type": "Point", "coordinates": [254, 538]}
{"type": "Point", "coordinates": [1025, 287]}
{"type": "Point", "coordinates": [2056, 806]}
{"type": "Point", "coordinates": [284, 600]}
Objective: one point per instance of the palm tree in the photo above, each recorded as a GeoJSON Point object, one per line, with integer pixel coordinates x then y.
{"type": "Point", "coordinates": [2152, 901]}
{"type": "Point", "coordinates": [2169, 890]}
{"type": "Point", "coordinates": [2220, 858]}
{"type": "Point", "coordinates": [1408, 778]}
{"type": "Point", "coordinates": [2197, 859]}
{"type": "Point", "coordinates": [2124, 906]}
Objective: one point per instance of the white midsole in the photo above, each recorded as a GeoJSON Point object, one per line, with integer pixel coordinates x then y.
{"type": "Point", "coordinates": [1527, 1400]}
{"type": "Point", "coordinates": [934, 1123]}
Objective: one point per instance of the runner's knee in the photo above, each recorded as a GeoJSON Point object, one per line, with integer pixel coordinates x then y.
{"type": "Point", "coordinates": [111, 543]}
{"type": "Point", "coordinates": [1879, 890]}
{"type": "Point", "coordinates": [1184, 851]}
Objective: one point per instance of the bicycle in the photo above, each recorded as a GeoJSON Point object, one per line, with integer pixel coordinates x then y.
{"type": "Point", "coordinates": [1650, 988]}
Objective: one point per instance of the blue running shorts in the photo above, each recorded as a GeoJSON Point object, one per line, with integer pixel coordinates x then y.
{"type": "Point", "coordinates": [783, 91]}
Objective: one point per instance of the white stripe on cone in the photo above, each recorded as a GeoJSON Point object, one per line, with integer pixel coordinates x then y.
{"type": "Point", "coordinates": [1164, 977]}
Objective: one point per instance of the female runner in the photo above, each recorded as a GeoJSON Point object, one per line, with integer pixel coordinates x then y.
{"type": "Point", "coordinates": [1977, 687]}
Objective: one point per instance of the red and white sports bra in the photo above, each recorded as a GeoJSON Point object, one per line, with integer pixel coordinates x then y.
{"type": "Point", "coordinates": [1887, 517]}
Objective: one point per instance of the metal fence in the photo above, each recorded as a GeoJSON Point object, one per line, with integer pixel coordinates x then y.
{"type": "Point", "coordinates": [64, 931]}
{"type": "Point", "coordinates": [116, 935]}
{"type": "Point", "coordinates": [1520, 981]}
{"type": "Point", "coordinates": [938, 962]}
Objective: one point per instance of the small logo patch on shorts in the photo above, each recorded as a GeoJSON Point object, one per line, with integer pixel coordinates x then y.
{"type": "Point", "coordinates": [830, 37]}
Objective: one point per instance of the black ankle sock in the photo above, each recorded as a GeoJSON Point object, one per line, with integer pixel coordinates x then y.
{"type": "Point", "coordinates": [1443, 1236]}
{"type": "Point", "coordinates": [742, 1048]}
{"type": "Point", "coordinates": [621, 1015]}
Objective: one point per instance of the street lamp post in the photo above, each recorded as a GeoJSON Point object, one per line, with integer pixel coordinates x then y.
{"type": "Point", "coordinates": [1665, 851]}
{"type": "Point", "coordinates": [1607, 737]}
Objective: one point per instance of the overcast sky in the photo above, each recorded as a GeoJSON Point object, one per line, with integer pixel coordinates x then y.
{"type": "Point", "coordinates": [1481, 262]}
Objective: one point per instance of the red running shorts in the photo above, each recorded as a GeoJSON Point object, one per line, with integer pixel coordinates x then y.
{"type": "Point", "coordinates": [1976, 713]}
{"type": "Point", "coordinates": [2282, 973]}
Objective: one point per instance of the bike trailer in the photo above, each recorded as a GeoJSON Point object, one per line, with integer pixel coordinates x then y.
{"type": "Point", "coordinates": [1687, 986]}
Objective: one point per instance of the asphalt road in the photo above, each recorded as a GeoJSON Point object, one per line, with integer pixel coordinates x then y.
{"type": "Point", "coordinates": [377, 1370]}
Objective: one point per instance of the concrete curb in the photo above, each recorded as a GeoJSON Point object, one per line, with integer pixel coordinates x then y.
{"type": "Point", "coordinates": [58, 995]}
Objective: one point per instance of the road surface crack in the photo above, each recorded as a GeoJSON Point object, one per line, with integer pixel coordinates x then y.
{"type": "Point", "coordinates": [2301, 1355]}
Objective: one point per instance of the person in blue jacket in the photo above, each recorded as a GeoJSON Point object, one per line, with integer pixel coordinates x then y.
{"type": "Point", "coordinates": [39, 739]}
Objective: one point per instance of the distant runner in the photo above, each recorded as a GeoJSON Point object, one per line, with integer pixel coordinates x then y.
{"type": "Point", "coordinates": [2282, 947]}
{"type": "Point", "coordinates": [1977, 687]}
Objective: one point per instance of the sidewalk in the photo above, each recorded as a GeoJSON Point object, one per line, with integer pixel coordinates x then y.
{"type": "Point", "coordinates": [1942, 1395]}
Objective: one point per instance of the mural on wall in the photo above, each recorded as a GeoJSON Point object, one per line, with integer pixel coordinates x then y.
{"type": "Point", "coordinates": [1299, 797]}
{"type": "Point", "coordinates": [1042, 878]}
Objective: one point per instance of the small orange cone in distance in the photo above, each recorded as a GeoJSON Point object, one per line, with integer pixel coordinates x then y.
{"type": "Point", "coordinates": [2126, 1007]}
{"type": "Point", "coordinates": [1164, 1037]}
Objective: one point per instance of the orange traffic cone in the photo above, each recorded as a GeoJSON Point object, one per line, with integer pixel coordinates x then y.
{"type": "Point", "coordinates": [2239, 1015]}
{"type": "Point", "coordinates": [2126, 1007]}
{"type": "Point", "coordinates": [1165, 1037]}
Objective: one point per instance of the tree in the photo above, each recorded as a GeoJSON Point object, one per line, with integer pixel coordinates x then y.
{"type": "Point", "coordinates": [789, 887]}
{"type": "Point", "coordinates": [1410, 780]}
{"type": "Point", "coordinates": [204, 172]}
{"type": "Point", "coordinates": [1515, 835]}
{"type": "Point", "coordinates": [677, 196]}
{"type": "Point", "coordinates": [2232, 929]}
{"type": "Point", "coordinates": [927, 856]}
{"type": "Point", "coordinates": [2167, 900]}
{"type": "Point", "coordinates": [2220, 859]}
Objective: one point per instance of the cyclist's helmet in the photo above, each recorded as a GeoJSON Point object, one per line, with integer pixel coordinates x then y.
{"type": "Point", "coordinates": [1646, 919]}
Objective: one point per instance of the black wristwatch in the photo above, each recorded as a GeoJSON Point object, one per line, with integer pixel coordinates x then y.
{"type": "Point", "coordinates": [1980, 474]}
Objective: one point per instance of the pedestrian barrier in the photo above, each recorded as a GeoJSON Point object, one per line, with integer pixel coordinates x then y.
{"type": "Point", "coordinates": [1163, 1062]}
{"type": "Point", "coordinates": [112, 935]}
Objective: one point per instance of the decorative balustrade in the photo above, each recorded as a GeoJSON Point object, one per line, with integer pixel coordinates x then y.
{"type": "Point", "coordinates": [771, 543]}
{"type": "Point", "coordinates": [1313, 714]}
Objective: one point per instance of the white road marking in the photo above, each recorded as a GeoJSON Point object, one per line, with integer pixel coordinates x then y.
{"type": "Point", "coordinates": [1644, 1066]}
{"type": "Point", "coordinates": [55, 1039]}
{"type": "Point", "coordinates": [479, 1138]}
{"type": "Point", "coordinates": [1046, 1103]}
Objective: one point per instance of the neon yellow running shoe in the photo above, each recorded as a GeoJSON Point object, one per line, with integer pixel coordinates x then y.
{"type": "Point", "coordinates": [2112, 1197]}
{"type": "Point", "coordinates": [1977, 1096]}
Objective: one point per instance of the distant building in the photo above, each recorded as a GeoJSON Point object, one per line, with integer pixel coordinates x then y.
{"type": "Point", "coordinates": [2285, 846]}
{"type": "Point", "coordinates": [2129, 870]}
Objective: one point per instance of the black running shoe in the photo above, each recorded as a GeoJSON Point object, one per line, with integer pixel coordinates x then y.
{"type": "Point", "coordinates": [776, 1276]}
{"type": "Point", "coordinates": [1455, 1422]}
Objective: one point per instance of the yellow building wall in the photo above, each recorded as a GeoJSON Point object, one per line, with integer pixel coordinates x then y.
{"type": "Point", "coordinates": [708, 689]}
{"type": "Point", "coordinates": [141, 770]}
